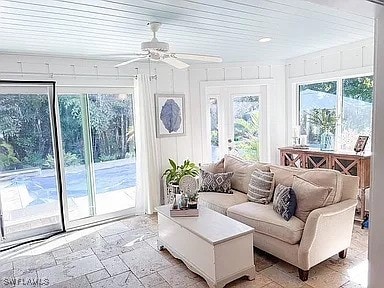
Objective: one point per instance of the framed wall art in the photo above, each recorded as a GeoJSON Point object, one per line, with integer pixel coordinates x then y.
{"type": "Point", "coordinates": [360, 143]}
{"type": "Point", "coordinates": [170, 115]}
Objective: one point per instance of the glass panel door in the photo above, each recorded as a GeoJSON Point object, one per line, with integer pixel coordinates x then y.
{"type": "Point", "coordinates": [213, 111]}
{"type": "Point", "coordinates": [29, 187]}
{"type": "Point", "coordinates": [246, 130]}
{"type": "Point", "coordinates": [99, 151]}
{"type": "Point", "coordinates": [113, 148]}
{"type": "Point", "coordinates": [73, 124]}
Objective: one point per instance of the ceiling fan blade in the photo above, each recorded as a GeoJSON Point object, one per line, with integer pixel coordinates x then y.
{"type": "Point", "coordinates": [130, 61]}
{"type": "Point", "coordinates": [205, 58]}
{"type": "Point", "coordinates": [125, 55]}
{"type": "Point", "coordinates": [175, 62]}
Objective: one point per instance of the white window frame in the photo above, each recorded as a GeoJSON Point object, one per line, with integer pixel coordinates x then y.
{"type": "Point", "coordinates": [339, 105]}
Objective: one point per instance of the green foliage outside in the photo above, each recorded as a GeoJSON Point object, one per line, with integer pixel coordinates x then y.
{"type": "Point", "coordinates": [7, 156]}
{"type": "Point", "coordinates": [214, 137]}
{"type": "Point", "coordinates": [247, 136]}
{"type": "Point", "coordinates": [25, 129]}
{"type": "Point", "coordinates": [356, 88]}
{"type": "Point", "coordinates": [360, 88]}
{"type": "Point", "coordinates": [69, 160]}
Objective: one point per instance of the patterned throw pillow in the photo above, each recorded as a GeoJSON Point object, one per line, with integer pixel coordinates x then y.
{"type": "Point", "coordinates": [219, 182]}
{"type": "Point", "coordinates": [260, 189]}
{"type": "Point", "coordinates": [284, 201]}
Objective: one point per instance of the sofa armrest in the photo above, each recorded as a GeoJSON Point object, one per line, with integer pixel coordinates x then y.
{"type": "Point", "coordinates": [327, 231]}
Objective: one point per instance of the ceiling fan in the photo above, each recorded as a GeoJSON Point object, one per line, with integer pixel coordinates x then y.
{"type": "Point", "coordinates": [159, 51]}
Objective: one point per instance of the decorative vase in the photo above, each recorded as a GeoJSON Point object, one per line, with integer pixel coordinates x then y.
{"type": "Point", "coordinates": [183, 203]}
{"type": "Point", "coordinates": [192, 205]}
{"type": "Point", "coordinates": [327, 141]}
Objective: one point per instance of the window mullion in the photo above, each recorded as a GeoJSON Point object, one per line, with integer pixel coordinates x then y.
{"type": "Point", "coordinates": [339, 113]}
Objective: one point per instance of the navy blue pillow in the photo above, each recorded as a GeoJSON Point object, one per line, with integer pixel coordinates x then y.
{"type": "Point", "coordinates": [284, 201]}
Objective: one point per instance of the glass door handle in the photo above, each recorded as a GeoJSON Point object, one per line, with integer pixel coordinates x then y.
{"type": "Point", "coordinates": [2, 235]}
{"type": "Point", "coordinates": [230, 145]}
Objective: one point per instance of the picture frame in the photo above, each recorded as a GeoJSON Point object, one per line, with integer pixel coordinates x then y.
{"type": "Point", "coordinates": [170, 115]}
{"type": "Point", "coordinates": [360, 144]}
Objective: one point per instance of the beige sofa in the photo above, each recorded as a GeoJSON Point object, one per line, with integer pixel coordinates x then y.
{"type": "Point", "coordinates": [326, 232]}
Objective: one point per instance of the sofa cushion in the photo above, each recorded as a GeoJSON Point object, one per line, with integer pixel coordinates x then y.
{"type": "Point", "coordinates": [284, 201]}
{"type": "Point", "coordinates": [243, 170]}
{"type": "Point", "coordinates": [309, 197]}
{"type": "Point", "coordinates": [217, 167]}
{"type": "Point", "coordinates": [261, 186]}
{"type": "Point", "coordinates": [220, 202]}
{"type": "Point", "coordinates": [219, 182]}
{"type": "Point", "coordinates": [267, 221]}
{"type": "Point", "coordinates": [284, 174]}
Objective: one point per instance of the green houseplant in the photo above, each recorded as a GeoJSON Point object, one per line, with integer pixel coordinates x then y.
{"type": "Point", "coordinates": [175, 172]}
{"type": "Point", "coordinates": [173, 175]}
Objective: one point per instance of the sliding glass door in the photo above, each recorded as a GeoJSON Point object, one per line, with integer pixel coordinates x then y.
{"type": "Point", "coordinates": [99, 152]}
{"type": "Point", "coordinates": [65, 160]}
{"type": "Point", "coordinates": [30, 189]}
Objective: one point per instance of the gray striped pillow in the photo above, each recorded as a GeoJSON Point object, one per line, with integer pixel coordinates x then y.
{"type": "Point", "coordinates": [260, 189]}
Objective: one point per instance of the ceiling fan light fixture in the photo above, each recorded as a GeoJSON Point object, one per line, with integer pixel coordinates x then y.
{"type": "Point", "coordinates": [265, 39]}
{"type": "Point", "coordinates": [155, 45]}
{"type": "Point", "coordinates": [155, 50]}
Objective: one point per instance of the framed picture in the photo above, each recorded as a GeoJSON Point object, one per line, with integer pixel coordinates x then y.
{"type": "Point", "coordinates": [170, 115]}
{"type": "Point", "coordinates": [360, 143]}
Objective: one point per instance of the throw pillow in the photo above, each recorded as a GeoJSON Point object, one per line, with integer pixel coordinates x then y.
{"type": "Point", "coordinates": [284, 201]}
{"type": "Point", "coordinates": [309, 196]}
{"type": "Point", "coordinates": [284, 175]}
{"type": "Point", "coordinates": [217, 167]}
{"type": "Point", "coordinates": [260, 189]}
{"type": "Point", "coordinates": [326, 178]}
{"type": "Point", "coordinates": [215, 182]}
{"type": "Point", "coordinates": [242, 171]}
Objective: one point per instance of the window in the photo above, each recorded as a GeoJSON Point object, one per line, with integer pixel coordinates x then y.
{"type": "Point", "coordinates": [343, 107]}
{"type": "Point", "coordinates": [315, 101]}
{"type": "Point", "coordinates": [214, 129]}
{"type": "Point", "coordinates": [357, 111]}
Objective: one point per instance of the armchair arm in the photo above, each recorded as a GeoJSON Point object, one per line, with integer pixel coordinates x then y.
{"type": "Point", "coordinates": [327, 231]}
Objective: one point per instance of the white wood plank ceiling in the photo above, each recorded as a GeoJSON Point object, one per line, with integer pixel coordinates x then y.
{"type": "Point", "coordinates": [228, 28]}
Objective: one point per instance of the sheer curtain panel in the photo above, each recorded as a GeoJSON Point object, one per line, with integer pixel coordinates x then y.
{"type": "Point", "coordinates": [148, 172]}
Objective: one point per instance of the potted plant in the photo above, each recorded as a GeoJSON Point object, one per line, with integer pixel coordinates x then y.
{"type": "Point", "coordinates": [175, 172]}
{"type": "Point", "coordinates": [326, 120]}
{"type": "Point", "coordinates": [192, 200]}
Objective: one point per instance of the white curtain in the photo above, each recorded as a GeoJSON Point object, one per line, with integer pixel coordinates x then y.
{"type": "Point", "coordinates": [147, 167]}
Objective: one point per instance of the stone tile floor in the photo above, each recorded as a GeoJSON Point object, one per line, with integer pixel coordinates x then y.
{"type": "Point", "coordinates": [124, 254]}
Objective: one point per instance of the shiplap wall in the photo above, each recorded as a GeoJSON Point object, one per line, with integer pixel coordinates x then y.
{"type": "Point", "coordinates": [346, 58]}
{"type": "Point", "coordinates": [188, 82]}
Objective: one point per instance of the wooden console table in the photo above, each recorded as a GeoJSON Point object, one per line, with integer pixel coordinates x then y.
{"type": "Point", "coordinates": [347, 162]}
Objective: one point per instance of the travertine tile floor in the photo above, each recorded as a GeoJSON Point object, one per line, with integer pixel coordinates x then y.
{"type": "Point", "coordinates": [124, 254]}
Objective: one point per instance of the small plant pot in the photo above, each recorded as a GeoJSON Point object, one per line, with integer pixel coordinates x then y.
{"type": "Point", "coordinates": [192, 205]}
